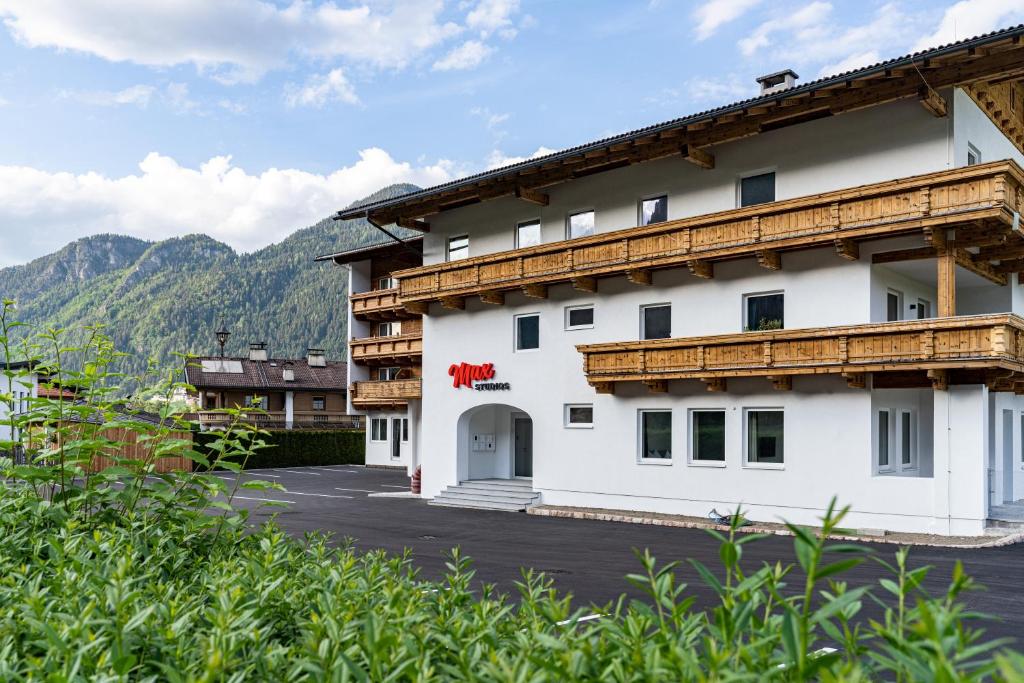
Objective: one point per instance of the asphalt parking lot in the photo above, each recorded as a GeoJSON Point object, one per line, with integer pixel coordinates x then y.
{"type": "Point", "coordinates": [587, 558]}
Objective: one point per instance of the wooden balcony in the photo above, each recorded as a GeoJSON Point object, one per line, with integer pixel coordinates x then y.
{"type": "Point", "coordinates": [311, 419]}
{"type": "Point", "coordinates": [979, 201]}
{"type": "Point", "coordinates": [378, 304]}
{"type": "Point", "coordinates": [384, 395]}
{"type": "Point", "coordinates": [401, 349]}
{"type": "Point", "coordinates": [975, 349]}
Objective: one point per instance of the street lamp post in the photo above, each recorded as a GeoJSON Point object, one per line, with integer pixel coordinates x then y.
{"type": "Point", "coordinates": [222, 337]}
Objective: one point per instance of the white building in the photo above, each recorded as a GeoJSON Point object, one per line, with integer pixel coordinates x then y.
{"type": "Point", "coordinates": [809, 294]}
{"type": "Point", "coordinates": [18, 390]}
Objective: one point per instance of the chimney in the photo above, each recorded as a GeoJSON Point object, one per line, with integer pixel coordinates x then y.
{"type": "Point", "coordinates": [258, 351]}
{"type": "Point", "coordinates": [316, 358]}
{"type": "Point", "coordinates": [775, 82]}
{"type": "Point", "coordinates": [288, 372]}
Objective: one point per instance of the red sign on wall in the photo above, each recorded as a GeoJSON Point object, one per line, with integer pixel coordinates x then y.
{"type": "Point", "coordinates": [463, 374]}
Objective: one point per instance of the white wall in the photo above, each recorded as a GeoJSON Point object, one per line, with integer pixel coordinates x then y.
{"type": "Point", "coordinates": [972, 126]}
{"type": "Point", "coordinates": [27, 384]}
{"type": "Point", "coordinates": [877, 144]}
{"type": "Point", "coordinates": [379, 452]}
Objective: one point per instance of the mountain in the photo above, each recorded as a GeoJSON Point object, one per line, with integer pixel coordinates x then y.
{"type": "Point", "coordinates": [161, 298]}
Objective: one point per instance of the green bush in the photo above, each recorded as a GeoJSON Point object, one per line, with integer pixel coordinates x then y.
{"type": "Point", "coordinates": [301, 448]}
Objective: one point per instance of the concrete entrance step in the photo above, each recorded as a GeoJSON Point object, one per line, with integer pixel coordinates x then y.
{"type": "Point", "coordinates": [1007, 515]}
{"type": "Point", "coordinates": [490, 494]}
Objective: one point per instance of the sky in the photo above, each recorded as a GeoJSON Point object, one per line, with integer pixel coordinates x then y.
{"type": "Point", "coordinates": [249, 119]}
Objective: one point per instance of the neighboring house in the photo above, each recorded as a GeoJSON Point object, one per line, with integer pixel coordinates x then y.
{"type": "Point", "coordinates": [304, 393]}
{"type": "Point", "coordinates": [812, 293]}
{"type": "Point", "coordinates": [21, 388]}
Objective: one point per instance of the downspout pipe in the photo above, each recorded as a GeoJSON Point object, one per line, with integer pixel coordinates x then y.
{"type": "Point", "coordinates": [393, 236]}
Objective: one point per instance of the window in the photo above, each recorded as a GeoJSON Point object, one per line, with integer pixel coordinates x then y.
{"type": "Point", "coordinates": [883, 440]}
{"type": "Point", "coordinates": [656, 321]}
{"type": "Point", "coordinates": [764, 311]}
{"type": "Point", "coordinates": [708, 436]}
{"type": "Point", "coordinates": [907, 456]}
{"type": "Point", "coordinates": [579, 317]}
{"type": "Point", "coordinates": [764, 436]}
{"type": "Point", "coordinates": [259, 402]}
{"type": "Point", "coordinates": [387, 282]}
{"type": "Point", "coordinates": [527, 332]}
{"type": "Point", "coordinates": [385, 374]}
{"type": "Point", "coordinates": [527, 234]}
{"type": "Point", "coordinates": [319, 403]}
{"type": "Point", "coordinates": [579, 415]}
{"type": "Point", "coordinates": [405, 429]}
{"type": "Point", "coordinates": [379, 429]}
{"type": "Point", "coordinates": [580, 224]}
{"type": "Point", "coordinates": [923, 309]}
{"type": "Point", "coordinates": [656, 435]}
{"type": "Point", "coordinates": [654, 210]}
{"type": "Point", "coordinates": [973, 155]}
{"type": "Point", "coordinates": [893, 305]}
{"type": "Point", "coordinates": [458, 248]}
{"type": "Point", "coordinates": [757, 189]}
{"type": "Point", "coordinates": [389, 329]}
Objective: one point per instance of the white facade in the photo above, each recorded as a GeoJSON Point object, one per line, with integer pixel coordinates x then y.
{"type": "Point", "coordinates": [21, 388]}
{"type": "Point", "coordinates": [966, 442]}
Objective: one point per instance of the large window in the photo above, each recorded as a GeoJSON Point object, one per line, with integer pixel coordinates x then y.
{"type": "Point", "coordinates": [656, 321]}
{"type": "Point", "coordinates": [893, 305]}
{"type": "Point", "coordinates": [527, 332]}
{"type": "Point", "coordinates": [764, 436]}
{"type": "Point", "coordinates": [257, 402]}
{"type": "Point", "coordinates": [708, 436]}
{"type": "Point", "coordinates": [389, 329]}
{"type": "Point", "coordinates": [579, 317]}
{"type": "Point", "coordinates": [764, 312]}
{"type": "Point", "coordinates": [319, 403]}
{"type": "Point", "coordinates": [378, 429]}
{"type": "Point", "coordinates": [385, 374]}
{"type": "Point", "coordinates": [458, 248]}
{"type": "Point", "coordinates": [579, 415]}
{"type": "Point", "coordinates": [895, 441]}
{"type": "Point", "coordinates": [527, 234]}
{"type": "Point", "coordinates": [655, 435]}
{"type": "Point", "coordinates": [387, 282]}
{"type": "Point", "coordinates": [654, 210]}
{"type": "Point", "coordinates": [580, 224]}
{"type": "Point", "coordinates": [757, 189]}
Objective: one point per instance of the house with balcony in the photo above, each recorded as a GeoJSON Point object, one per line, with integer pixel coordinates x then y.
{"type": "Point", "coordinates": [285, 393]}
{"type": "Point", "coordinates": [19, 384]}
{"type": "Point", "coordinates": [813, 293]}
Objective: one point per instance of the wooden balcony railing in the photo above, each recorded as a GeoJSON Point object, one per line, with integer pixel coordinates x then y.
{"type": "Point", "coordinates": [378, 304]}
{"type": "Point", "coordinates": [974, 198]}
{"type": "Point", "coordinates": [937, 345]}
{"type": "Point", "coordinates": [309, 419]}
{"type": "Point", "coordinates": [397, 349]}
{"type": "Point", "coordinates": [385, 393]}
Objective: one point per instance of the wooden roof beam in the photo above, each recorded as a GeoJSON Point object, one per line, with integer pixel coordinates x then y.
{"type": "Point", "coordinates": [532, 196]}
{"type": "Point", "coordinates": [698, 157]}
{"type": "Point", "coordinates": [412, 224]}
{"type": "Point", "coordinates": [932, 102]}
{"type": "Point", "coordinates": [984, 269]}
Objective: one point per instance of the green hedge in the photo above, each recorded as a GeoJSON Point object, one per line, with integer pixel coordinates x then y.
{"type": "Point", "coordinates": [302, 448]}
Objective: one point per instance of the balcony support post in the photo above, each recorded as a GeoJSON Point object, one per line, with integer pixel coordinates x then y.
{"type": "Point", "coordinates": [781, 382]}
{"type": "Point", "coordinates": [454, 303]}
{"type": "Point", "coordinates": [940, 379]}
{"type": "Point", "coordinates": [702, 269]}
{"type": "Point", "coordinates": [715, 384]}
{"type": "Point", "coordinates": [536, 291]}
{"type": "Point", "coordinates": [946, 283]}
{"type": "Point", "coordinates": [769, 259]}
{"type": "Point", "coordinates": [584, 284]}
{"type": "Point", "coordinates": [656, 386]}
{"type": "Point", "coordinates": [289, 409]}
{"type": "Point", "coordinates": [417, 307]}
{"type": "Point", "coordinates": [640, 277]}
{"type": "Point", "coordinates": [495, 298]}
{"type": "Point", "coordinates": [604, 387]}
{"type": "Point", "coordinates": [856, 380]}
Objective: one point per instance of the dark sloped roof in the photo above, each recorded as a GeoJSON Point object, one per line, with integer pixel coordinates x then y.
{"type": "Point", "coordinates": [268, 375]}
{"type": "Point", "coordinates": [509, 172]}
{"type": "Point", "coordinates": [374, 249]}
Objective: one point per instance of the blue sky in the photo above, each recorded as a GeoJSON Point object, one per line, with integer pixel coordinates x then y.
{"type": "Point", "coordinates": [248, 119]}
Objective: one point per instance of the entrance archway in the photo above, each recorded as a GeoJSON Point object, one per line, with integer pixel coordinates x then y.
{"type": "Point", "coordinates": [495, 441]}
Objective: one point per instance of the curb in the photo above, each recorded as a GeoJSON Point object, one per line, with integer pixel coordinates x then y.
{"type": "Point", "coordinates": [628, 518]}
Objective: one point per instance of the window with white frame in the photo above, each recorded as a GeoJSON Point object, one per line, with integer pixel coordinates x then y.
{"type": "Point", "coordinates": [922, 309]}
{"type": "Point", "coordinates": [319, 403]}
{"type": "Point", "coordinates": [579, 415]}
{"type": "Point", "coordinates": [707, 442]}
{"type": "Point", "coordinates": [764, 311]}
{"type": "Point", "coordinates": [973, 155]}
{"type": "Point", "coordinates": [386, 282]}
{"type": "Point", "coordinates": [405, 429]}
{"type": "Point", "coordinates": [764, 432]}
{"type": "Point", "coordinates": [458, 248]}
{"type": "Point", "coordinates": [385, 374]}
{"type": "Point", "coordinates": [893, 305]}
{"type": "Point", "coordinates": [656, 321]}
{"type": "Point", "coordinates": [655, 435]}
{"type": "Point", "coordinates": [758, 188]}
{"type": "Point", "coordinates": [527, 332]}
{"type": "Point", "coordinates": [389, 329]}
{"type": "Point", "coordinates": [378, 429]}
{"type": "Point", "coordinates": [256, 401]}
{"type": "Point", "coordinates": [527, 234]}
{"type": "Point", "coordinates": [579, 317]}
{"type": "Point", "coordinates": [653, 210]}
{"type": "Point", "coordinates": [579, 224]}
{"type": "Point", "coordinates": [896, 450]}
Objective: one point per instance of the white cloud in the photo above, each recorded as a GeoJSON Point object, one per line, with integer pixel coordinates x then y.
{"type": "Point", "coordinates": [231, 40]}
{"type": "Point", "coordinates": [718, 90]}
{"type": "Point", "coordinates": [497, 158]}
{"type": "Point", "coordinates": [466, 56]}
{"type": "Point", "coordinates": [321, 89]}
{"type": "Point", "coordinates": [800, 21]}
{"type": "Point", "coordinates": [490, 16]}
{"type": "Point", "coordinates": [491, 119]}
{"type": "Point", "coordinates": [969, 18]}
{"type": "Point", "coordinates": [715, 13]}
{"type": "Point", "coordinates": [137, 95]}
{"type": "Point", "coordinates": [854, 61]}
{"type": "Point", "coordinates": [178, 98]}
{"type": "Point", "coordinates": [231, 106]}
{"type": "Point", "coordinates": [4, 102]}
{"type": "Point", "coordinates": [40, 211]}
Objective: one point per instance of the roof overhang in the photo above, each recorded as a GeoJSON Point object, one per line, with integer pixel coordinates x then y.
{"type": "Point", "coordinates": [996, 56]}
{"type": "Point", "coordinates": [374, 251]}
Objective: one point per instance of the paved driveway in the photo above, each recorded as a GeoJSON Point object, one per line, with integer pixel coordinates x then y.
{"type": "Point", "coordinates": [587, 558]}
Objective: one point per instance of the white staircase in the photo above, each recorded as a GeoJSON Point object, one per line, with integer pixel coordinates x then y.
{"type": "Point", "coordinates": [513, 495]}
